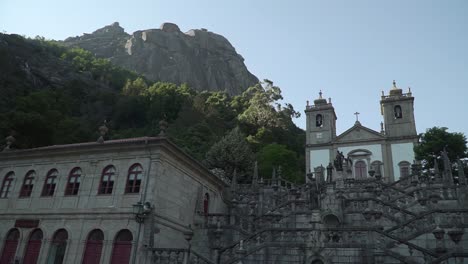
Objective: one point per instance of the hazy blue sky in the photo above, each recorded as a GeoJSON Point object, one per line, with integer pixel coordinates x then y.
{"type": "Point", "coordinates": [352, 50]}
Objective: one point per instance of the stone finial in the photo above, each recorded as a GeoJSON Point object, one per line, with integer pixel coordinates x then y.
{"type": "Point", "coordinates": [307, 102]}
{"type": "Point", "coordinates": [382, 131]}
{"type": "Point", "coordinates": [255, 174]}
{"type": "Point", "coordinates": [273, 175]}
{"type": "Point", "coordinates": [329, 100]}
{"type": "Point", "coordinates": [447, 174]}
{"type": "Point", "coordinates": [461, 173]}
{"type": "Point", "coordinates": [436, 167]}
{"type": "Point", "coordinates": [394, 85]}
{"type": "Point", "coordinates": [103, 132]}
{"type": "Point", "coordinates": [10, 140]}
{"type": "Point", "coordinates": [163, 125]}
{"type": "Point", "coordinates": [234, 180]}
{"type": "Point", "coordinates": [320, 94]}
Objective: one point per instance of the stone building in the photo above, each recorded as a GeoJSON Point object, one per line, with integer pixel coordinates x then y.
{"type": "Point", "coordinates": [101, 202]}
{"type": "Point", "coordinates": [390, 150]}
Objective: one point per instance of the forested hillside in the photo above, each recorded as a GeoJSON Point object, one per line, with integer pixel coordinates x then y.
{"type": "Point", "coordinates": [56, 95]}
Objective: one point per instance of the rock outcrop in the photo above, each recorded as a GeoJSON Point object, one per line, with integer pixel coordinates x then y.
{"type": "Point", "coordinates": [202, 59]}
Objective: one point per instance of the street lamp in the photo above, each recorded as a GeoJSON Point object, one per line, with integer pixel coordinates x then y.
{"type": "Point", "coordinates": [141, 211]}
{"type": "Point", "coordinates": [188, 236]}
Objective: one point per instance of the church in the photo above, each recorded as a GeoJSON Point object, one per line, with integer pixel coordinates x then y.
{"type": "Point", "coordinates": [388, 151]}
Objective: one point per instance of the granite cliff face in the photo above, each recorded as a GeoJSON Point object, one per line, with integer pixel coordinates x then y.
{"type": "Point", "coordinates": [204, 60]}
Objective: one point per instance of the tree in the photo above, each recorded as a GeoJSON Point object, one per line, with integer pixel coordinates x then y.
{"type": "Point", "coordinates": [231, 153]}
{"type": "Point", "coordinates": [166, 100]}
{"type": "Point", "coordinates": [135, 87]}
{"type": "Point", "coordinates": [435, 139]}
{"type": "Point", "coordinates": [275, 155]}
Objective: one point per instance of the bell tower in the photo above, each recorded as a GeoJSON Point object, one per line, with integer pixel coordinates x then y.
{"type": "Point", "coordinates": [398, 113]}
{"type": "Point", "coordinates": [321, 121]}
{"type": "Point", "coordinates": [320, 132]}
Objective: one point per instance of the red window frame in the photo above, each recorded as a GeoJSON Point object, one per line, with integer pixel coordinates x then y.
{"type": "Point", "coordinates": [106, 185]}
{"type": "Point", "coordinates": [50, 183]}
{"type": "Point", "coordinates": [122, 247]}
{"type": "Point", "coordinates": [134, 178]}
{"type": "Point", "coordinates": [7, 184]}
{"type": "Point", "coordinates": [360, 169]}
{"type": "Point", "coordinates": [206, 204]}
{"type": "Point", "coordinates": [73, 182]}
{"type": "Point", "coordinates": [10, 246]}
{"type": "Point", "coordinates": [28, 184]}
{"type": "Point", "coordinates": [93, 247]}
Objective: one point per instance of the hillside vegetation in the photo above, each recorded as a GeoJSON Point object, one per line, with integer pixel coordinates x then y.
{"type": "Point", "coordinates": [56, 95]}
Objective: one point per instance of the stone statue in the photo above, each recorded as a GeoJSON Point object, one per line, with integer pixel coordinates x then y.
{"type": "Point", "coordinates": [329, 173]}
{"type": "Point", "coordinates": [339, 161]}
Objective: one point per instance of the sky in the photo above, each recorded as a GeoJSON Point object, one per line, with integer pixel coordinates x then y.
{"type": "Point", "coordinates": [351, 50]}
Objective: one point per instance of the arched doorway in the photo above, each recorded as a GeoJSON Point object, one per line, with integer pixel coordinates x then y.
{"type": "Point", "coordinates": [122, 247]}
{"type": "Point", "coordinates": [10, 246]}
{"type": "Point", "coordinates": [331, 220]}
{"type": "Point", "coordinates": [93, 248]}
{"type": "Point", "coordinates": [360, 170]}
{"type": "Point", "coordinates": [31, 255]}
{"type": "Point", "coordinates": [58, 247]}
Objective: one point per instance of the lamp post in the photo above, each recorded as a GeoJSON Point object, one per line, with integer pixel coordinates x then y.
{"type": "Point", "coordinates": [188, 236]}
{"type": "Point", "coordinates": [141, 211]}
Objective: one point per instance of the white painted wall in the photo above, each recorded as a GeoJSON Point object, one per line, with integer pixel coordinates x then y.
{"type": "Point", "coordinates": [319, 157]}
{"type": "Point", "coordinates": [401, 152]}
{"type": "Point", "coordinates": [376, 150]}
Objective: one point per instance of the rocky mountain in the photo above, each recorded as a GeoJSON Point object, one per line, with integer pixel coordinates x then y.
{"type": "Point", "coordinates": [200, 58]}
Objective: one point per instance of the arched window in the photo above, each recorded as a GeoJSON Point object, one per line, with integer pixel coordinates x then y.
{"type": "Point", "coordinates": [360, 170]}
{"type": "Point", "coordinates": [7, 185]}
{"type": "Point", "coordinates": [28, 184]}
{"type": "Point", "coordinates": [107, 180]}
{"type": "Point", "coordinates": [397, 111]}
{"type": "Point", "coordinates": [58, 247]}
{"type": "Point", "coordinates": [73, 183]}
{"type": "Point", "coordinates": [206, 203]}
{"type": "Point", "coordinates": [50, 183]}
{"type": "Point", "coordinates": [33, 248]}
{"type": "Point", "coordinates": [10, 246]}
{"type": "Point", "coordinates": [93, 248]}
{"type": "Point", "coordinates": [122, 247]}
{"type": "Point", "coordinates": [404, 168]}
{"type": "Point", "coordinates": [135, 174]}
{"type": "Point", "coordinates": [319, 120]}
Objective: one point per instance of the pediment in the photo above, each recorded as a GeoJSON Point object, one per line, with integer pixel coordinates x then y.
{"type": "Point", "coordinates": [359, 133]}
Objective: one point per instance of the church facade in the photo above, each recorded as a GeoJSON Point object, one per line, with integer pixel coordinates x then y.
{"type": "Point", "coordinates": [388, 152]}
